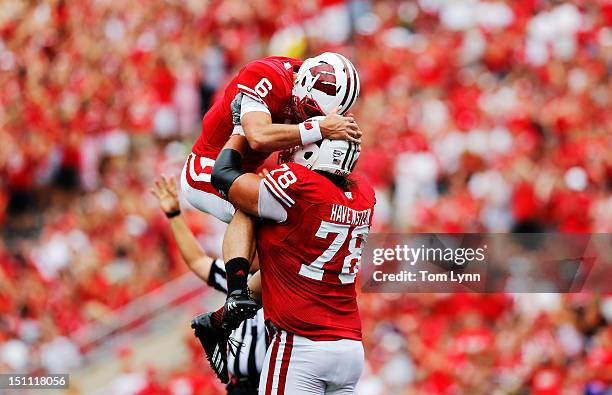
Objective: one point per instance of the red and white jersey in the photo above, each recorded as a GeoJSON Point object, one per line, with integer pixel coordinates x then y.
{"type": "Point", "coordinates": [269, 81]}
{"type": "Point", "coordinates": [310, 260]}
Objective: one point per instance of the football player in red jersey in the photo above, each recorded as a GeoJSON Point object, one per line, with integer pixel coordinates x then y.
{"type": "Point", "coordinates": [261, 104]}
{"type": "Point", "coordinates": [317, 220]}
{"type": "Point", "coordinates": [266, 102]}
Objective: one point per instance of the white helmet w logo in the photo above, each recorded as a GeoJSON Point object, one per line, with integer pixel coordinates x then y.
{"type": "Point", "coordinates": [323, 83]}
{"type": "Point", "coordinates": [332, 156]}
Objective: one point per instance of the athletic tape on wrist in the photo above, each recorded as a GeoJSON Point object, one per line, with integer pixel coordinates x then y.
{"type": "Point", "coordinates": [310, 131]}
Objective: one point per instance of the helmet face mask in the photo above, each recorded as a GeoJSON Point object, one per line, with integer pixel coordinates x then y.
{"type": "Point", "coordinates": [306, 108]}
{"type": "Point", "coordinates": [286, 156]}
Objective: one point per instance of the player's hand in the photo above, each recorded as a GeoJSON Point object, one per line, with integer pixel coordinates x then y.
{"type": "Point", "coordinates": [337, 127]}
{"type": "Point", "coordinates": [166, 192]}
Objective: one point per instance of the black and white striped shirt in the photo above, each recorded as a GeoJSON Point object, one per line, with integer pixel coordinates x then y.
{"type": "Point", "coordinates": [251, 333]}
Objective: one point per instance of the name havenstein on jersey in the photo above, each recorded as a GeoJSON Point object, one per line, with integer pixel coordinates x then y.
{"type": "Point", "coordinates": [349, 216]}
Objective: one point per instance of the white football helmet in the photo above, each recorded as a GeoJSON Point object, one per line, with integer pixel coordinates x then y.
{"type": "Point", "coordinates": [332, 156]}
{"type": "Point", "coordinates": [323, 83]}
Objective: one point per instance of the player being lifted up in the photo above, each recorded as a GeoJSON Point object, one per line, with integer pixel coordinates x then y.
{"type": "Point", "coordinates": [268, 103]}
{"type": "Point", "coordinates": [309, 248]}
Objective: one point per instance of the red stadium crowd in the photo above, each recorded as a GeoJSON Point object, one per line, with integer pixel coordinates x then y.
{"type": "Point", "coordinates": [479, 116]}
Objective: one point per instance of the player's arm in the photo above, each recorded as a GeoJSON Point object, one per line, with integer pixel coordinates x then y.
{"type": "Point", "coordinates": [251, 114]}
{"type": "Point", "coordinates": [246, 191]}
{"type": "Point", "coordinates": [263, 135]}
{"type": "Point", "coordinates": [195, 257]}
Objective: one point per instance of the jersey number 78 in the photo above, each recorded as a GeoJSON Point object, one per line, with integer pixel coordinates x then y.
{"type": "Point", "coordinates": [350, 267]}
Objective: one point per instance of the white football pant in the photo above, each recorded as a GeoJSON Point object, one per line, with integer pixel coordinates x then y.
{"type": "Point", "coordinates": [295, 365]}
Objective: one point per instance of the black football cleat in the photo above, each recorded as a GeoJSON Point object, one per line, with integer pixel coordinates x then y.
{"type": "Point", "coordinates": [238, 307]}
{"type": "Point", "coordinates": [214, 341]}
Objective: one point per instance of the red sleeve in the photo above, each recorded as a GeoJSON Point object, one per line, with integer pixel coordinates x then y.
{"type": "Point", "coordinates": [288, 183]}
{"type": "Point", "coordinates": [265, 81]}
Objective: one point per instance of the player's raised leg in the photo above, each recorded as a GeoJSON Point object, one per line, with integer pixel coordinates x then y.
{"type": "Point", "coordinates": [199, 192]}
{"type": "Point", "coordinates": [238, 251]}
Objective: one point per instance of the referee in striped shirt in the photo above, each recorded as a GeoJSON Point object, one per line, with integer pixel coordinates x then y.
{"type": "Point", "coordinates": [245, 367]}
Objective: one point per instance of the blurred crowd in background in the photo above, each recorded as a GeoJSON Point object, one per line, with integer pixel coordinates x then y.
{"type": "Point", "coordinates": [479, 116]}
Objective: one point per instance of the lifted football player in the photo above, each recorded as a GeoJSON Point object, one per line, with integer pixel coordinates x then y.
{"type": "Point", "coordinates": [263, 103]}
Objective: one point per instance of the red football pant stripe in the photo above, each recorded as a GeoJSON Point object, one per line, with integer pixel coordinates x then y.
{"type": "Point", "coordinates": [282, 377]}
{"type": "Point", "coordinates": [272, 367]}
